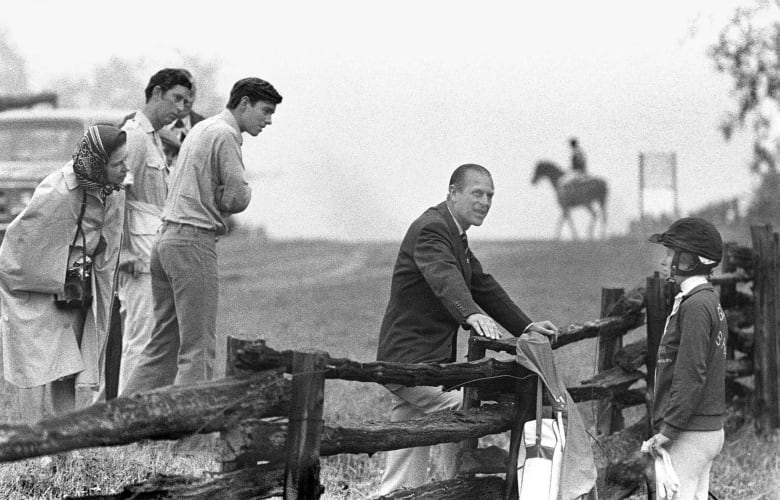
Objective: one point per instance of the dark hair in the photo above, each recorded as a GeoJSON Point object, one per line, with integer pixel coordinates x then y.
{"type": "Point", "coordinates": [189, 75]}
{"type": "Point", "coordinates": [255, 89]}
{"type": "Point", "coordinates": [167, 79]}
{"type": "Point", "coordinates": [458, 177]}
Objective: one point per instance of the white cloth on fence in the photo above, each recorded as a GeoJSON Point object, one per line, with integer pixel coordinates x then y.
{"type": "Point", "coordinates": [578, 472]}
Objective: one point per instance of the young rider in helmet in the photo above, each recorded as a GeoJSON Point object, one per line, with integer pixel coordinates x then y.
{"type": "Point", "coordinates": [689, 404]}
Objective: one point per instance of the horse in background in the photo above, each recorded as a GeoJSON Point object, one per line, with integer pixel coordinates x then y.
{"type": "Point", "coordinates": [572, 191]}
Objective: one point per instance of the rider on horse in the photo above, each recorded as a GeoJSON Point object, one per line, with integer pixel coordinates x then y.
{"type": "Point", "coordinates": [579, 166]}
{"type": "Point", "coordinates": [579, 163]}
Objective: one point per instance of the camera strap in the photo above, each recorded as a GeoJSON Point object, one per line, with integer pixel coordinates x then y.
{"type": "Point", "coordinates": [78, 222]}
{"type": "Point", "coordinates": [79, 229]}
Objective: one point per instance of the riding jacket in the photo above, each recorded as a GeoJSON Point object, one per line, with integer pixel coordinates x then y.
{"type": "Point", "coordinates": [690, 374]}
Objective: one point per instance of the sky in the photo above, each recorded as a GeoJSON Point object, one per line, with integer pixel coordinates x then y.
{"type": "Point", "coordinates": [382, 100]}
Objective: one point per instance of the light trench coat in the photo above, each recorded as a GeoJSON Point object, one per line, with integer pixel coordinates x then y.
{"type": "Point", "coordinates": [39, 344]}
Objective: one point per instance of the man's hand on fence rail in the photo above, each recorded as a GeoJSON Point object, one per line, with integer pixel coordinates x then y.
{"type": "Point", "coordinates": [546, 328]}
{"type": "Point", "coordinates": [483, 325]}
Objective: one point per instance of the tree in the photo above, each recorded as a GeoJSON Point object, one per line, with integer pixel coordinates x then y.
{"type": "Point", "coordinates": [115, 84]}
{"type": "Point", "coordinates": [208, 100]}
{"type": "Point", "coordinates": [13, 77]}
{"type": "Point", "coordinates": [748, 50]}
{"type": "Point", "coordinates": [72, 93]}
{"type": "Point", "coordinates": [120, 83]}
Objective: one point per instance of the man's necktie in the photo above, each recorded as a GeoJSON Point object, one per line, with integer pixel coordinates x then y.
{"type": "Point", "coordinates": [464, 239]}
{"type": "Point", "coordinates": [178, 124]}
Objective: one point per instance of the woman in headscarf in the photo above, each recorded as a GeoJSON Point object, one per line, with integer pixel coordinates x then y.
{"type": "Point", "coordinates": [55, 334]}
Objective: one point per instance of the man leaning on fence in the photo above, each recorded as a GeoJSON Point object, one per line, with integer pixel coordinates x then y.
{"type": "Point", "coordinates": [207, 185]}
{"type": "Point", "coordinates": [438, 285]}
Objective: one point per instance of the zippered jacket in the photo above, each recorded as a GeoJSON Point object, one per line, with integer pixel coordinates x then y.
{"type": "Point", "coordinates": [690, 377]}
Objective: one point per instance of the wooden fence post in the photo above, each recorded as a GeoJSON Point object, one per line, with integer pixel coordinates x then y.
{"type": "Point", "coordinates": [766, 265]}
{"type": "Point", "coordinates": [233, 346]}
{"type": "Point", "coordinates": [525, 392]}
{"type": "Point", "coordinates": [471, 395]}
{"type": "Point", "coordinates": [302, 470]}
{"type": "Point", "coordinates": [656, 307]}
{"type": "Point", "coordinates": [656, 310]}
{"type": "Point", "coordinates": [728, 291]}
{"type": "Point", "coordinates": [609, 417]}
{"type": "Point", "coordinates": [113, 350]}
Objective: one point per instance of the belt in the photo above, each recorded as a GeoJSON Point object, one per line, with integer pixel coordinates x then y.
{"type": "Point", "coordinates": [189, 227]}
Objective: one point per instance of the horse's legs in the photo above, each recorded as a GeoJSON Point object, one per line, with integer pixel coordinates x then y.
{"type": "Point", "coordinates": [566, 215]}
{"type": "Point", "coordinates": [559, 227]}
{"type": "Point", "coordinates": [593, 220]}
{"type": "Point", "coordinates": [603, 220]}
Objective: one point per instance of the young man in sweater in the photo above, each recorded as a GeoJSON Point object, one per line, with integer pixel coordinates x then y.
{"type": "Point", "coordinates": [689, 404]}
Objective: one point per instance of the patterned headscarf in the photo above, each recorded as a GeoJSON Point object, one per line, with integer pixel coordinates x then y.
{"type": "Point", "coordinates": [91, 157]}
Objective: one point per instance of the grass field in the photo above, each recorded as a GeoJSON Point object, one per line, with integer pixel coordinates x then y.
{"type": "Point", "coordinates": [331, 296]}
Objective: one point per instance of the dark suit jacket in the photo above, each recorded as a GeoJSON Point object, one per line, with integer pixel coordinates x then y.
{"type": "Point", "coordinates": [195, 118]}
{"type": "Point", "coordinates": [434, 289]}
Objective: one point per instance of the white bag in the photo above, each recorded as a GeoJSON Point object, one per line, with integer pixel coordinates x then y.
{"type": "Point", "coordinates": [539, 473]}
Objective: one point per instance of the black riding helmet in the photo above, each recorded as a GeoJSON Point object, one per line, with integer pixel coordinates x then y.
{"type": "Point", "coordinates": [695, 237]}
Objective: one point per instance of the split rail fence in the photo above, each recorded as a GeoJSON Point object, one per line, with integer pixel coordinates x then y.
{"type": "Point", "coordinates": [264, 456]}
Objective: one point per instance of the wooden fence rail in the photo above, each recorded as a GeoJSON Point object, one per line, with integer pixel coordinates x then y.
{"type": "Point", "coordinates": [265, 383]}
{"type": "Point", "coordinates": [767, 318]}
{"type": "Point", "coordinates": [170, 413]}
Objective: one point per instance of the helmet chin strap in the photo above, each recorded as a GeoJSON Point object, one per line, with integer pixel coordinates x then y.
{"type": "Point", "coordinates": [674, 272]}
{"type": "Point", "coordinates": [677, 275]}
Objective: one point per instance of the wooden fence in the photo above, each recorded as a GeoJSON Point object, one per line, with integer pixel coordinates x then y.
{"type": "Point", "coordinates": [264, 457]}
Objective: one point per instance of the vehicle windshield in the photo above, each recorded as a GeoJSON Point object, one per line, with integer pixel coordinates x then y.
{"type": "Point", "coordinates": [39, 140]}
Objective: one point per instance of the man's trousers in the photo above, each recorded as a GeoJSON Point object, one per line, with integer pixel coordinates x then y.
{"type": "Point", "coordinates": [408, 468]}
{"type": "Point", "coordinates": [185, 291]}
{"type": "Point", "coordinates": [137, 312]}
{"type": "Point", "coordinates": [692, 454]}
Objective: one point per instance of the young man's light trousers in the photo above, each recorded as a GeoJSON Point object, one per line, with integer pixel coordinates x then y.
{"type": "Point", "coordinates": [185, 291]}
{"type": "Point", "coordinates": [408, 468]}
{"type": "Point", "coordinates": [137, 312]}
{"type": "Point", "coordinates": [692, 454]}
